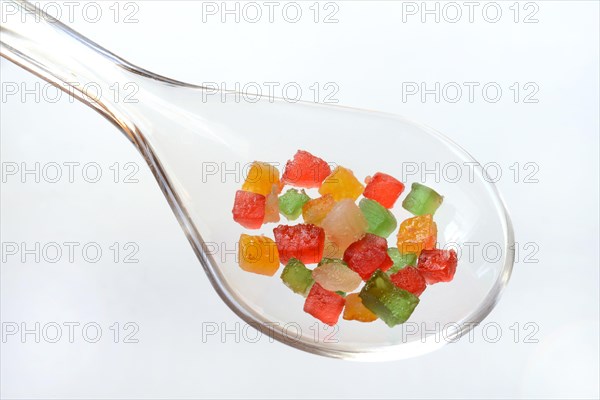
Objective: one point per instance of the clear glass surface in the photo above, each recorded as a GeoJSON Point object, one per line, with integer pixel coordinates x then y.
{"type": "Point", "coordinates": [199, 145]}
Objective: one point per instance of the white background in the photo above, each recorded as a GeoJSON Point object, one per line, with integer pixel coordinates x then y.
{"type": "Point", "coordinates": [368, 54]}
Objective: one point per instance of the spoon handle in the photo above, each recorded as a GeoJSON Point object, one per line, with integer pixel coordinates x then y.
{"type": "Point", "coordinates": [44, 46]}
{"type": "Point", "coordinates": [41, 44]}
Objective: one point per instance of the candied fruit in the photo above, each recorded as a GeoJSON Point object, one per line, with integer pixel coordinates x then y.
{"type": "Point", "coordinates": [297, 277]}
{"type": "Point", "coordinates": [390, 303]}
{"type": "Point", "coordinates": [410, 279]}
{"type": "Point", "coordinates": [344, 224]}
{"type": "Point", "coordinates": [303, 241]}
{"type": "Point", "coordinates": [305, 170]}
{"type": "Point", "coordinates": [249, 209]}
{"type": "Point", "coordinates": [368, 255]}
{"type": "Point", "coordinates": [272, 206]}
{"type": "Point", "coordinates": [381, 221]}
{"type": "Point", "coordinates": [324, 305]}
{"type": "Point", "coordinates": [383, 188]}
{"type": "Point", "coordinates": [290, 204]}
{"type": "Point", "coordinates": [258, 254]}
{"type": "Point", "coordinates": [422, 200]}
{"type": "Point", "coordinates": [437, 265]}
{"type": "Point", "coordinates": [334, 274]}
{"type": "Point", "coordinates": [400, 260]}
{"type": "Point", "coordinates": [417, 234]}
{"type": "Point", "coordinates": [342, 184]}
{"type": "Point", "coordinates": [356, 311]}
{"type": "Point", "coordinates": [331, 249]}
{"type": "Point", "coordinates": [314, 211]}
{"type": "Point", "coordinates": [261, 178]}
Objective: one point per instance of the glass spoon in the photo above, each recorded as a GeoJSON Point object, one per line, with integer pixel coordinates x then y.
{"type": "Point", "coordinates": [199, 146]}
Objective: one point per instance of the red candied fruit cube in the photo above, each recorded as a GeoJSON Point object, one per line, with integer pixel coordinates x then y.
{"type": "Point", "coordinates": [324, 305]}
{"type": "Point", "coordinates": [410, 279]}
{"type": "Point", "coordinates": [383, 188]}
{"type": "Point", "coordinates": [305, 170]}
{"type": "Point", "coordinates": [437, 265]}
{"type": "Point", "coordinates": [304, 242]}
{"type": "Point", "coordinates": [249, 209]}
{"type": "Point", "coordinates": [368, 255]}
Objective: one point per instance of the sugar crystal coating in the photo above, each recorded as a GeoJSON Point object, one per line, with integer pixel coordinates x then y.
{"type": "Point", "coordinates": [304, 242]}
{"type": "Point", "coordinates": [305, 170]}
{"type": "Point", "coordinates": [324, 305]}
{"type": "Point", "coordinates": [249, 209]}
{"type": "Point", "coordinates": [344, 224]}
{"type": "Point", "coordinates": [333, 274]}
{"type": "Point", "coordinates": [417, 234]}
{"type": "Point", "coordinates": [367, 255]}
{"type": "Point", "coordinates": [437, 265]}
{"type": "Point", "coordinates": [390, 303]}
{"type": "Point", "coordinates": [342, 184]}
{"type": "Point", "coordinates": [261, 178]}
{"type": "Point", "coordinates": [258, 254]}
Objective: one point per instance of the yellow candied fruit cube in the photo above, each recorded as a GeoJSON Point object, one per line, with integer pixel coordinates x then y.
{"type": "Point", "coordinates": [355, 310]}
{"type": "Point", "coordinates": [261, 178]}
{"type": "Point", "coordinates": [417, 234]}
{"type": "Point", "coordinates": [342, 184]}
{"type": "Point", "coordinates": [258, 254]}
{"type": "Point", "coordinates": [314, 211]}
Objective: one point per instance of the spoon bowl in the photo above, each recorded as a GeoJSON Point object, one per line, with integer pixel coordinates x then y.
{"type": "Point", "coordinates": [199, 146]}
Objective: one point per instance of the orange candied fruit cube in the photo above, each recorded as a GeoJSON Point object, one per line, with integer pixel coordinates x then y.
{"type": "Point", "coordinates": [258, 254]}
{"type": "Point", "coordinates": [355, 310]}
{"type": "Point", "coordinates": [261, 178]}
{"type": "Point", "coordinates": [342, 184]}
{"type": "Point", "coordinates": [314, 211]}
{"type": "Point", "coordinates": [417, 234]}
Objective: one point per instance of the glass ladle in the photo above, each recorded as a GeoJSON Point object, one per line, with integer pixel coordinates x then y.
{"type": "Point", "coordinates": [199, 145]}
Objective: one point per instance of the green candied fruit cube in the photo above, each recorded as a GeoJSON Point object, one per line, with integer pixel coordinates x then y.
{"type": "Point", "coordinates": [400, 260]}
{"type": "Point", "coordinates": [390, 303]}
{"type": "Point", "coordinates": [422, 200]}
{"type": "Point", "coordinates": [297, 277]}
{"type": "Point", "coordinates": [381, 221]}
{"type": "Point", "coordinates": [291, 202]}
{"type": "Point", "coordinates": [343, 294]}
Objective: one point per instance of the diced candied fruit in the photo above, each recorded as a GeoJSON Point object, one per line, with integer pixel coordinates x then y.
{"type": "Point", "coordinates": [368, 255]}
{"type": "Point", "coordinates": [297, 277]}
{"type": "Point", "coordinates": [305, 170]}
{"type": "Point", "coordinates": [258, 254]}
{"type": "Point", "coordinates": [344, 224]}
{"type": "Point", "coordinates": [324, 305]}
{"type": "Point", "coordinates": [390, 303]}
{"type": "Point", "coordinates": [249, 209]}
{"type": "Point", "coordinates": [341, 184]}
{"type": "Point", "coordinates": [437, 265]}
{"type": "Point", "coordinates": [314, 211]}
{"type": "Point", "coordinates": [381, 221]}
{"type": "Point", "coordinates": [422, 200]}
{"type": "Point", "coordinates": [303, 241]}
{"type": "Point", "coordinates": [261, 178]}
{"type": "Point", "coordinates": [410, 279]}
{"type": "Point", "coordinates": [417, 234]}
{"type": "Point", "coordinates": [400, 260]}
{"type": "Point", "coordinates": [290, 204]}
{"type": "Point", "coordinates": [383, 188]}
{"type": "Point", "coordinates": [334, 274]}
{"type": "Point", "coordinates": [355, 310]}
{"type": "Point", "coordinates": [272, 206]}
{"type": "Point", "coordinates": [331, 249]}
